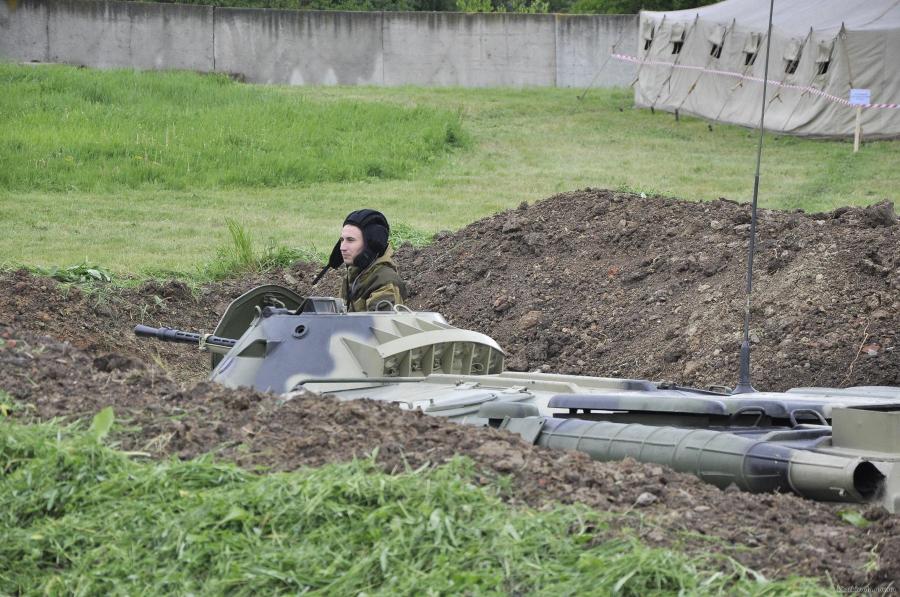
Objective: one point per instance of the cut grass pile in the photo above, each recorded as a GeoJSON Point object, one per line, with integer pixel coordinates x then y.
{"type": "Point", "coordinates": [70, 130]}
{"type": "Point", "coordinates": [81, 518]}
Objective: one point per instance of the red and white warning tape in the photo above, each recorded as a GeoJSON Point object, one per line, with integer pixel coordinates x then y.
{"type": "Point", "coordinates": [807, 89]}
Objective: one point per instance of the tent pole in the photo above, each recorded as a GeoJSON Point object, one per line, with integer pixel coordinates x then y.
{"type": "Point", "coordinates": [708, 63]}
{"type": "Point", "coordinates": [842, 36]}
{"type": "Point", "coordinates": [807, 41]}
{"type": "Point", "coordinates": [744, 386]}
{"type": "Point", "coordinates": [637, 75]}
{"type": "Point", "coordinates": [668, 81]}
{"type": "Point", "coordinates": [612, 50]}
{"type": "Point", "coordinates": [740, 82]}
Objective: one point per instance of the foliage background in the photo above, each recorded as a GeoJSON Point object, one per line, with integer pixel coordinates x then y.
{"type": "Point", "coordinates": [522, 6]}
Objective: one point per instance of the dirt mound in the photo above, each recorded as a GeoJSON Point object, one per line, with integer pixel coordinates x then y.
{"type": "Point", "coordinates": [102, 319]}
{"type": "Point", "coordinates": [590, 282]}
{"type": "Point", "coordinates": [779, 535]}
{"type": "Point", "coordinates": [611, 284]}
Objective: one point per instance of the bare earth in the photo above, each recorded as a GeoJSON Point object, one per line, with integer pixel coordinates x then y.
{"type": "Point", "coordinates": [589, 282]}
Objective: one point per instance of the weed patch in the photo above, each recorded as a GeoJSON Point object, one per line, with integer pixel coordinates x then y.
{"type": "Point", "coordinates": [81, 273]}
{"type": "Point", "coordinates": [7, 403]}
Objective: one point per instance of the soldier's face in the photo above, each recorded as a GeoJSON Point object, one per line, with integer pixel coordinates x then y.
{"type": "Point", "coordinates": [351, 243]}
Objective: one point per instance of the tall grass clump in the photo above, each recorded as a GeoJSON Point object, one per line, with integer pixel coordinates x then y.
{"type": "Point", "coordinates": [240, 251]}
{"type": "Point", "coordinates": [240, 256]}
{"type": "Point", "coordinates": [81, 518]}
{"type": "Point", "coordinates": [65, 129]}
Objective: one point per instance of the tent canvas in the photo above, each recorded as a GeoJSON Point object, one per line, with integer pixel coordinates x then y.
{"type": "Point", "coordinates": [704, 62]}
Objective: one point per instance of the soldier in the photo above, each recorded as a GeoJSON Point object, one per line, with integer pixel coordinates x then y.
{"type": "Point", "coordinates": [371, 281]}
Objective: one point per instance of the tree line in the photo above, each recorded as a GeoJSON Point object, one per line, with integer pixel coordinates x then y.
{"type": "Point", "coordinates": [516, 6]}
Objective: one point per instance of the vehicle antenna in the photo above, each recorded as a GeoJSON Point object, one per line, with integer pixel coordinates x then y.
{"type": "Point", "coordinates": [744, 386]}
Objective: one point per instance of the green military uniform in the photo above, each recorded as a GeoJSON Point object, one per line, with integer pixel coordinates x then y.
{"type": "Point", "coordinates": [377, 288]}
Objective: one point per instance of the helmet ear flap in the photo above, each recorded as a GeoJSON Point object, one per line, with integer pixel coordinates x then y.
{"type": "Point", "coordinates": [336, 260]}
{"type": "Point", "coordinates": [365, 258]}
{"type": "Point", "coordinates": [376, 237]}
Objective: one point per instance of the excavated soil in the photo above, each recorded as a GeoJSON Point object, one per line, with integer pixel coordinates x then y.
{"type": "Point", "coordinates": [589, 282]}
{"type": "Point", "coordinates": [601, 283]}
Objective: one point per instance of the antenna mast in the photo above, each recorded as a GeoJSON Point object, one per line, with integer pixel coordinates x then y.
{"type": "Point", "coordinates": [744, 386]}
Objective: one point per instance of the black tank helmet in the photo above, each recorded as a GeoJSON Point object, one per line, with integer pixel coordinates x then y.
{"type": "Point", "coordinates": [375, 231]}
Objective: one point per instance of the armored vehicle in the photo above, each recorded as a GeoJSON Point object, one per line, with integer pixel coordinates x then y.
{"type": "Point", "coordinates": [820, 443]}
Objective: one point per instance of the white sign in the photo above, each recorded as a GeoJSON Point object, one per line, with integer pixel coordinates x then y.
{"type": "Point", "coordinates": [860, 97]}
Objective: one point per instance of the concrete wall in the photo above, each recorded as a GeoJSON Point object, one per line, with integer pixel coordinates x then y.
{"type": "Point", "coordinates": [300, 47]}
{"type": "Point", "coordinates": [324, 48]}
{"type": "Point", "coordinates": [108, 34]}
{"type": "Point", "coordinates": [23, 32]}
{"type": "Point", "coordinates": [583, 50]}
{"type": "Point", "coordinates": [470, 50]}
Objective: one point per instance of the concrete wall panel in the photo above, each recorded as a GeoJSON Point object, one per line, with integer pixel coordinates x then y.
{"type": "Point", "coordinates": [583, 50]}
{"type": "Point", "coordinates": [469, 50]}
{"type": "Point", "coordinates": [144, 36]}
{"type": "Point", "coordinates": [300, 47]}
{"type": "Point", "coordinates": [324, 48]}
{"type": "Point", "coordinates": [23, 32]}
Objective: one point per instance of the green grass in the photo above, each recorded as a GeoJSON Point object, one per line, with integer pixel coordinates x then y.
{"type": "Point", "coordinates": [242, 256]}
{"type": "Point", "coordinates": [80, 518]}
{"type": "Point", "coordinates": [82, 273]}
{"type": "Point", "coordinates": [517, 145]}
{"type": "Point", "coordinates": [66, 130]}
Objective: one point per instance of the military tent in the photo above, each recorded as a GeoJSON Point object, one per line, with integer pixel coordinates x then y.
{"type": "Point", "coordinates": [706, 61]}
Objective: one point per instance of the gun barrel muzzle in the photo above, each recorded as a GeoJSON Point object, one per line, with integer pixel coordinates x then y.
{"type": "Point", "coordinates": [172, 335]}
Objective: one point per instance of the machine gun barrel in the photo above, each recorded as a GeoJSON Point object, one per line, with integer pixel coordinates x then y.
{"type": "Point", "coordinates": [172, 335]}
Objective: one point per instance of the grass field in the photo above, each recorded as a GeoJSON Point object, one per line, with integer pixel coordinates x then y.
{"type": "Point", "coordinates": [66, 130]}
{"type": "Point", "coordinates": [80, 518]}
{"type": "Point", "coordinates": [138, 171]}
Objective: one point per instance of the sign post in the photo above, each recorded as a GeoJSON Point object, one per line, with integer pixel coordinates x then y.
{"type": "Point", "coordinates": [859, 98]}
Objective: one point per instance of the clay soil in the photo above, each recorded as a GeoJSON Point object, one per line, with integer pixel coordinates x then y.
{"type": "Point", "coordinates": [589, 282]}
